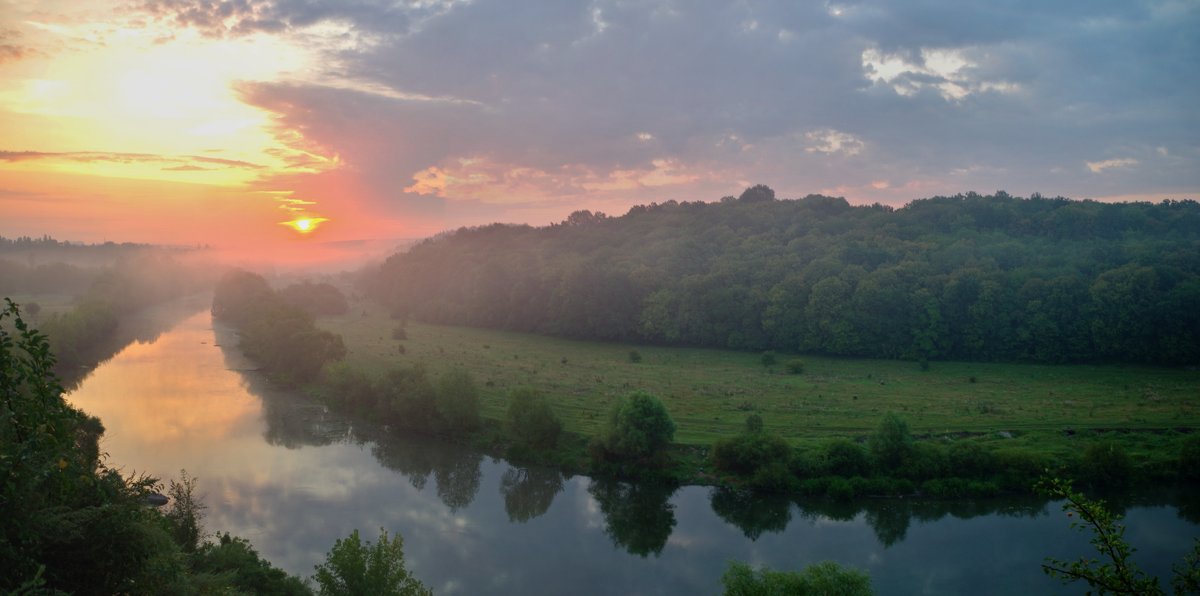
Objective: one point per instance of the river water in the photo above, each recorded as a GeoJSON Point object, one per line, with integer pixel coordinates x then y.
{"type": "Point", "coordinates": [292, 477]}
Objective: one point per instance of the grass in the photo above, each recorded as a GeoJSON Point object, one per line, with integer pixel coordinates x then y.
{"type": "Point", "coordinates": [709, 393]}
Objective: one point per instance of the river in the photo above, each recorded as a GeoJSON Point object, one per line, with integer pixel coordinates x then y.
{"type": "Point", "coordinates": [293, 478]}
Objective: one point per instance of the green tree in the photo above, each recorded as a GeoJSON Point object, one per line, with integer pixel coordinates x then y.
{"type": "Point", "coordinates": [825, 579]}
{"type": "Point", "coordinates": [532, 423]}
{"type": "Point", "coordinates": [458, 400]}
{"type": "Point", "coordinates": [638, 427]}
{"type": "Point", "coordinates": [185, 512]}
{"type": "Point", "coordinates": [1114, 572]}
{"type": "Point", "coordinates": [355, 568]}
{"type": "Point", "coordinates": [892, 444]}
{"type": "Point", "coordinates": [767, 359]}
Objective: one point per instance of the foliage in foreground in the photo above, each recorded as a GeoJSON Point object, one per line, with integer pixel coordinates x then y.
{"type": "Point", "coordinates": [826, 579]}
{"type": "Point", "coordinates": [71, 524]}
{"type": "Point", "coordinates": [353, 567]}
{"type": "Point", "coordinates": [1114, 572]}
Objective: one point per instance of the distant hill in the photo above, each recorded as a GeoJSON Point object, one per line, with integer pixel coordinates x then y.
{"type": "Point", "coordinates": [968, 277]}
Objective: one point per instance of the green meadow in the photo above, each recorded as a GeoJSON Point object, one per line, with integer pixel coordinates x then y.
{"type": "Point", "coordinates": [709, 393]}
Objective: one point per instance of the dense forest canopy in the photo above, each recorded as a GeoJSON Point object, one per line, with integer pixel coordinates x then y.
{"type": "Point", "coordinates": [964, 277]}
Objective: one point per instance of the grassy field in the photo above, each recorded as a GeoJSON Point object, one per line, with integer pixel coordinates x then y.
{"type": "Point", "coordinates": [709, 393]}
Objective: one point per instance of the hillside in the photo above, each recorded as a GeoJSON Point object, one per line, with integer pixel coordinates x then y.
{"type": "Point", "coordinates": [968, 277]}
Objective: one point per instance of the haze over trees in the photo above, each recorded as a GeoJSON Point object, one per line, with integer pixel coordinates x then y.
{"type": "Point", "coordinates": [968, 277]}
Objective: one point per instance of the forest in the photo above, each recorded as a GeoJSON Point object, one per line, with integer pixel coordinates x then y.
{"type": "Point", "coordinates": [966, 277]}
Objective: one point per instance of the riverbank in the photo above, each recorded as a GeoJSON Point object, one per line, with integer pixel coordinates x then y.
{"type": "Point", "coordinates": [1023, 419]}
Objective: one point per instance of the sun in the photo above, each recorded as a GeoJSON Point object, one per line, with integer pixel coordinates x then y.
{"type": "Point", "coordinates": [305, 225]}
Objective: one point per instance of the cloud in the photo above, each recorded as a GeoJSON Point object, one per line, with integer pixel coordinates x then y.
{"type": "Point", "coordinates": [183, 163]}
{"type": "Point", "coordinates": [831, 141]}
{"type": "Point", "coordinates": [1099, 166]}
{"type": "Point", "coordinates": [429, 108]}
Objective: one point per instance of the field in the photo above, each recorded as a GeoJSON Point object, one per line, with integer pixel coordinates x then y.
{"type": "Point", "coordinates": [709, 393]}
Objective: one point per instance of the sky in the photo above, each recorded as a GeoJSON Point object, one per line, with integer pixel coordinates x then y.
{"type": "Point", "coordinates": [275, 127]}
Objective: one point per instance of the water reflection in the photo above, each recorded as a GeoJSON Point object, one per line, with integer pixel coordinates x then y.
{"type": "Point", "coordinates": [293, 477]}
{"type": "Point", "coordinates": [529, 492]}
{"type": "Point", "coordinates": [752, 513]}
{"type": "Point", "coordinates": [141, 327]}
{"type": "Point", "coordinates": [638, 517]}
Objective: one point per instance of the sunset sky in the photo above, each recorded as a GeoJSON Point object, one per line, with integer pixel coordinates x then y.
{"type": "Point", "coordinates": [186, 121]}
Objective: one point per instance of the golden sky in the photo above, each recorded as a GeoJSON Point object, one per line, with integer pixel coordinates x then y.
{"type": "Point", "coordinates": [285, 128]}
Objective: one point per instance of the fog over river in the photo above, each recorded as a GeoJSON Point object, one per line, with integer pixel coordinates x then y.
{"type": "Point", "coordinates": [280, 470]}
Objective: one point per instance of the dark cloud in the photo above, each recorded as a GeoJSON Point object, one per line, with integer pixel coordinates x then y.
{"type": "Point", "coordinates": [933, 96]}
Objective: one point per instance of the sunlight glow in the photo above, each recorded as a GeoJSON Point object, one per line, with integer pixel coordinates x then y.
{"type": "Point", "coordinates": [305, 225]}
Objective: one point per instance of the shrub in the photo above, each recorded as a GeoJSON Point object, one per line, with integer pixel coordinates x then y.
{"type": "Point", "coordinates": [1189, 458]}
{"type": "Point", "coordinates": [924, 461]}
{"type": "Point", "coordinates": [745, 454]}
{"type": "Point", "coordinates": [820, 578]}
{"type": "Point", "coordinates": [352, 567]}
{"type": "Point", "coordinates": [638, 427]}
{"type": "Point", "coordinates": [1106, 465]}
{"type": "Point", "coordinates": [794, 367]}
{"type": "Point", "coordinates": [845, 458]}
{"type": "Point", "coordinates": [892, 444]}
{"type": "Point", "coordinates": [635, 356]}
{"type": "Point", "coordinates": [768, 359]}
{"type": "Point", "coordinates": [969, 460]}
{"type": "Point", "coordinates": [531, 420]}
{"type": "Point", "coordinates": [754, 423]}
{"type": "Point", "coordinates": [840, 489]}
{"type": "Point", "coordinates": [458, 401]}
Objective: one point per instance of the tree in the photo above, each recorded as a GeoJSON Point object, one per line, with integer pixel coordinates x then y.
{"type": "Point", "coordinates": [185, 513]}
{"type": "Point", "coordinates": [352, 568]}
{"type": "Point", "coordinates": [892, 444]}
{"type": "Point", "coordinates": [458, 400]}
{"type": "Point", "coordinates": [1114, 572]}
{"type": "Point", "coordinates": [638, 427]}
{"type": "Point", "coordinates": [826, 578]}
{"type": "Point", "coordinates": [532, 423]}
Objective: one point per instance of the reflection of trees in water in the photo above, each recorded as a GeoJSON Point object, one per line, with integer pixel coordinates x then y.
{"type": "Point", "coordinates": [405, 455]}
{"type": "Point", "coordinates": [890, 518]}
{"type": "Point", "coordinates": [456, 469]}
{"type": "Point", "coordinates": [293, 421]}
{"type": "Point", "coordinates": [639, 517]}
{"type": "Point", "coordinates": [529, 492]}
{"type": "Point", "coordinates": [457, 472]}
{"type": "Point", "coordinates": [752, 513]}
{"type": "Point", "coordinates": [141, 327]}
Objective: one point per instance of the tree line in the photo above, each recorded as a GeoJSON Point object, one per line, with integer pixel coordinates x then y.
{"type": "Point", "coordinates": [967, 277]}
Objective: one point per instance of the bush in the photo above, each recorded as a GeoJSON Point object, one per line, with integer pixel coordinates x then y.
{"type": "Point", "coordinates": [458, 401]}
{"type": "Point", "coordinates": [820, 578]}
{"type": "Point", "coordinates": [638, 427]}
{"type": "Point", "coordinates": [892, 444]}
{"type": "Point", "coordinates": [352, 567]}
{"type": "Point", "coordinates": [768, 359]}
{"type": "Point", "coordinates": [531, 421]}
{"type": "Point", "coordinates": [635, 356]}
{"type": "Point", "coordinates": [840, 489]}
{"type": "Point", "coordinates": [969, 460]}
{"type": "Point", "coordinates": [845, 458]}
{"type": "Point", "coordinates": [234, 560]}
{"type": "Point", "coordinates": [794, 367]}
{"type": "Point", "coordinates": [1106, 465]}
{"type": "Point", "coordinates": [745, 454]}
{"type": "Point", "coordinates": [923, 462]}
{"type": "Point", "coordinates": [754, 423]}
{"type": "Point", "coordinates": [1189, 458]}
